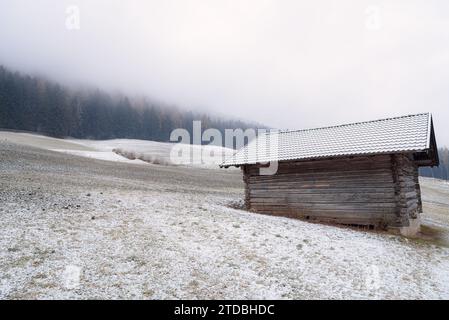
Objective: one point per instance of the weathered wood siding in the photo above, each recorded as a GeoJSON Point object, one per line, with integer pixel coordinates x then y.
{"type": "Point", "coordinates": [409, 197]}
{"type": "Point", "coordinates": [377, 190]}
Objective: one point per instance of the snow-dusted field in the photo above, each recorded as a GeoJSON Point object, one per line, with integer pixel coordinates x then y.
{"type": "Point", "coordinates": [74, 227]}
{"type": "Point", "coordinates": [191, 155]}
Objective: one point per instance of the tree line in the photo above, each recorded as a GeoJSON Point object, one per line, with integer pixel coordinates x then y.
{"type": "Point", "coordinates": [440, 172]}
{"type": "Point", "coordinates": [35, 104]}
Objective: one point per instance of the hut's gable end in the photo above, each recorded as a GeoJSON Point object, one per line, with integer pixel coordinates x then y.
{"type": "Point", "coordinates": [376, 190]}
{"type": "Point", "coordinates": [429, 156]}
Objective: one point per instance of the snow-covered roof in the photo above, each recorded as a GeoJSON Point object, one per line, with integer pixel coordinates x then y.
{"type": "Point", "coordinates": [411, 133]}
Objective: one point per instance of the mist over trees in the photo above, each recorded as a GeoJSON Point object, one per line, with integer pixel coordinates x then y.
{"type": "Point", "coordinates": [38, 105]}
{"type": "Point", "coordinates": [440, 172]}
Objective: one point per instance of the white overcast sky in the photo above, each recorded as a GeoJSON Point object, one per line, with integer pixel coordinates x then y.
{"type": "Point", "coordinates": [285, 63]}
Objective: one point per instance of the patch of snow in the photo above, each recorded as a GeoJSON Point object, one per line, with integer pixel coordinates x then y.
{"type": "Point", "coordinates": [198, 156]}
{"type": "Point", "coordinates": [71, 276]}
{"type": "Point", "coordinates": [100, 155]}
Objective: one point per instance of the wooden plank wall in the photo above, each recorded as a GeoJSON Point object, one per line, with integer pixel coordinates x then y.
{"type": "Point", "coordinates": [409, 200]}
{"type": "Point", "coordinates": [374, 190]}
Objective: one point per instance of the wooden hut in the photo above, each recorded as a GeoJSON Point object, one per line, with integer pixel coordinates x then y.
{"type": "Point", "coordinates": [357, 174]}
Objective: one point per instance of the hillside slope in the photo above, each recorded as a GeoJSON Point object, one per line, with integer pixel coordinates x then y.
{"type": "Point", "coordinates": [123, 150]}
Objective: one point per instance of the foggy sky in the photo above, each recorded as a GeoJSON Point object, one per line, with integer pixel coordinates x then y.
{"type": "Point", "coordinates": [285, 63]}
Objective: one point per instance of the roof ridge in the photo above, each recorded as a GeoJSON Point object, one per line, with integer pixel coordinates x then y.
{"type": "Point", "coordinates": [352, 124]}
